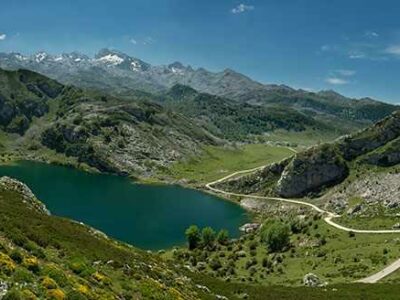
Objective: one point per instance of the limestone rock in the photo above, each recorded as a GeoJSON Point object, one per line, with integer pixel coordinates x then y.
{"type": "Point", "coordinates": [28, 196]}
{"type": "Point", "coordinates": [311, 280]}
{"type": "Point", "coordinates": [312, 170]}
{"type": "Point", "coordinates": [3, 288]}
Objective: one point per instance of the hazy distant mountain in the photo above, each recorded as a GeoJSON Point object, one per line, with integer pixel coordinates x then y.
{"type": "Point", "coordinates": [120, 74]}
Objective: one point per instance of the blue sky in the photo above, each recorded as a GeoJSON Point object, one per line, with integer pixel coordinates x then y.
{"type": "Point", "coordinates": [352, 46]}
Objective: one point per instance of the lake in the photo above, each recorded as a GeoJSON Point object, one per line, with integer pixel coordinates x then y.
{"type": "Point", "coordinates": [147, 216]}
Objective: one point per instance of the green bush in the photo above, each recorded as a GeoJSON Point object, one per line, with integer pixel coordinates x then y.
{"type": "Point", "coordinates": [22, 275]}
{"type": "Point", "coordinates": [208, 237]}
{"type": "Point", "coordinates": [276, 236]}
{"type": "Point", "coordinates": [223, 237]}
{"type": "Point", "coordinates": [17, 256]}
{"type": "Point", "coordinates": [193, 237]}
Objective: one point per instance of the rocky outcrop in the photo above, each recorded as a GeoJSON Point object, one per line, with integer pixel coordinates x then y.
{"type": "Point", "coordinates": [371, 138]}
{"type": "Point", "coordinates": [310, 171]}
{"type": "Point", "coordinates": [125, 138]}
{"type": "Point", "coordinates": [388, 156]}
{"type": "Point", "coordinates": [29, 198]}
{"type": "Point", "coordinates": [372, 190]}
{"type": "Point", "coordinates": [263, 180]}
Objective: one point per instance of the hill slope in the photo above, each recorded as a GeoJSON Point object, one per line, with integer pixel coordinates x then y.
{"type": "Point", "coordinates": [328, 164]}
{"type": "Point", "coordinates": [109, 134]}
{"type": "Point", "coordinates": [47, 257]}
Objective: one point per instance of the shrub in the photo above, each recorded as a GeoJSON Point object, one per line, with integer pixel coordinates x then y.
{"type": "Point", "coordinates": [193, 237]}
{"type": "Point", "coordinates": [49, 283]}
{"type": "Point", "coordinates": [208, 237]}
{"type": "Point", "coordinates": [276, 236]}
{"type": "Point", "coordinates": [253, 245]}
{"type": "Point", "coordinates": [75, 295]}
{"type": "Point", "coordinates": [22, 275]}
{"type": "Point", "coordinates": [56, 274]}
{"type": "Point", "coordinates": [17, 256]}
{"type": "Point", "coordinates": [7, 265]}
{"type": "Point", "coordinates": [215, 264]}
{"type": "Point", "coordinates": [13, 295]}
{"type": "Point", "coordinates": [32, 264]}
{"type": "Point", "coordinates": [56, 294]}
{"type": "Point", "coordinates": [223, 237]}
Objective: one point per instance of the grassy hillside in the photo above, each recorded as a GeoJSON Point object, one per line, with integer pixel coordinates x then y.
{"type": "Point", "coordinates": [133, 137]}
{"type": "Point", "coordinates": [326, 165]}
{"type": "Point", "coordinates": [217, 162]}
{"type": "Point", "coordinates": [43, 256]}
{"type": "Point", "coordinates": [47, 257]}
{"type": "Point", "coordinates": [240, 121]}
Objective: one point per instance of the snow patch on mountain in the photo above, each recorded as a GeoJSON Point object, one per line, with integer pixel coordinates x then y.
{"type": "Point", "coordinates": [41, 56]}
{"type": "Point", "coordinates": [111, 59]}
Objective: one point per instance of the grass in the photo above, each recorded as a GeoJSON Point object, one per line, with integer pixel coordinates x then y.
{"type": "Point", "coordinates": [368, 222]}
{"type": "Point", "coordinates": [344, 291]}
{"type": "Point", "coordinates": [217, 162]}
{"type": "Point", "coordinates": [341, 258]}
{"type": "Point", "coordinates": [303, 138]}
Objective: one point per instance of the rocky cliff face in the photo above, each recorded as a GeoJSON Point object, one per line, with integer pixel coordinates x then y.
{"type": "Point", "coordinates": [311, 170]}
{"type": "Point", "coordinates": [263, 180]}
{"type": "Point", "coordinates": [371, 138]}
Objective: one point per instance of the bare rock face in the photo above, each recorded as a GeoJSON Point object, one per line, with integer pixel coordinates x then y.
{"type": "Point", "coordinates": [310, 171]}
{"type": "Point", "coordinates": [262, 180]}
{"type": "Point", "coordinates": [371, 138]}
{"type": "Point", "coordinates": [372, 190]}
{"type": "Point", "coordinates": [11, 184]}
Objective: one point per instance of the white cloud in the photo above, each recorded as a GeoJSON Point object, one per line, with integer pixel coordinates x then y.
{"type": "Point", "coordinates": [326, 48]}
{"type": "Point", "coordinates": [395, 50]}
{"type": "Point", "coordinates": [241, 8]}
{"type": "Point", "coordinates": [357, 55]}
{"type": "Point", "coordinates": [336, 81]}
{"type": "Point", "coordinates": [133, 41]}
{"type": "Point", "coordinates": [371, 34]}
{"type": "Point", "coordinates": [149, 40]}
{"type": "Point", "coordinates": [346, 73]}
{"type": "Point", "coordinates": [3, 36]}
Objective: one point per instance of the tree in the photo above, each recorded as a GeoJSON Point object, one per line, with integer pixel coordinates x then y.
{"type": "Point", "coordinates": [223, 237]}
{"type": "Point", "coordinates": [193, 236]}
{"type": "Point", "coordinates": [276, 236]}
{"type": "Point", "coordinates": [208, 237]}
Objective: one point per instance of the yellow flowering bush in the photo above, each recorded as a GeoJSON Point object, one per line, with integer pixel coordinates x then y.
{"type": "Point", "coordinates": [7, 265]}
{"type": "Point", "coordinates": [56, 294]}
{"type": "Point", "coordinates": [49, 283]}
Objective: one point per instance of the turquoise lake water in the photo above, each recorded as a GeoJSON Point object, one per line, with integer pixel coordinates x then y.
{"type": "Point", "coordinates": [146, 216]}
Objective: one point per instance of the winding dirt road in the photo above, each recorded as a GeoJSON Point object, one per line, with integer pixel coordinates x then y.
{"type": "Point", "coordinates": [328, 218]}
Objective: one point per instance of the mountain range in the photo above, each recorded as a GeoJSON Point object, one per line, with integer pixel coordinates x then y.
{"type": "Point", "coordinates": [122, 115]}
{"type": "Point", "coordinates": [119, 74]}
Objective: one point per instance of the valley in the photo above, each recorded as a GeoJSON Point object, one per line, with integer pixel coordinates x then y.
{"type": "Point", "coordinates": [313, 176]}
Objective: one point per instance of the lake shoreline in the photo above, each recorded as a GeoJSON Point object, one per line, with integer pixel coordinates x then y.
{"type": "Point", "coordinates": [191, 205]}
{"type": "Point", "coordinates": [154, 181]}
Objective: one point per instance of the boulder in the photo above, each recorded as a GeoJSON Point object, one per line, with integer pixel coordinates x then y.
{"type": "Point", "coordinates": [3, 288]}
{"type": "Point", "coordinates": [311, 280]}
